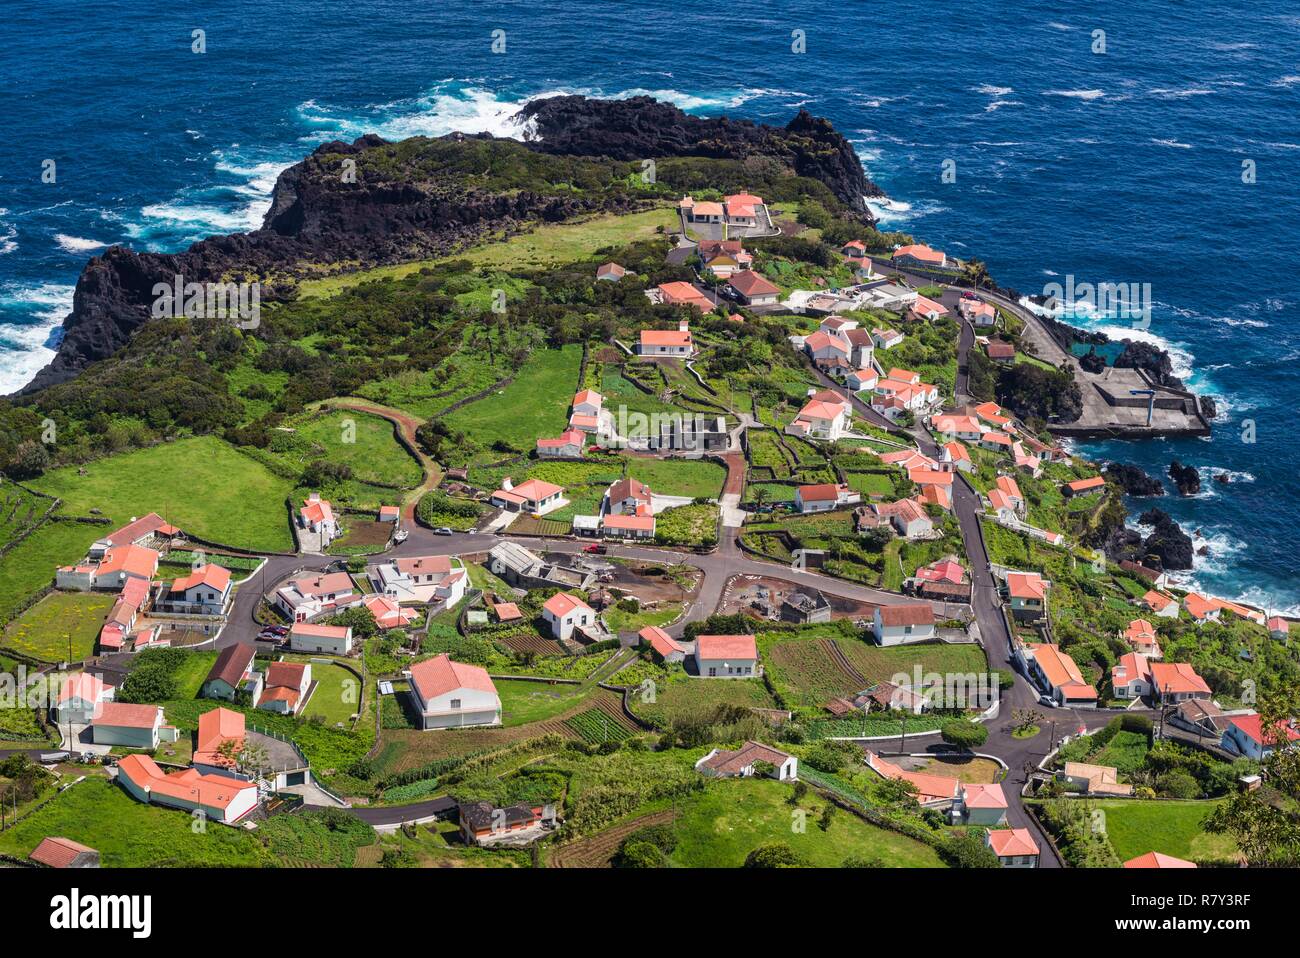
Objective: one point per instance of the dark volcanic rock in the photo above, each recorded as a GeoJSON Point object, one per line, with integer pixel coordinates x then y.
{"type": "Point", "coordinates": [1134, 480]}
{"type": "Point", "coordinates": [1135, 355]}
{"type": "Point", "coordinates": [1186, 478]}
{"type": "Point", "coordinates": [641, 128]}
{"type": "Point", "coordinates": [1168, 546]}
{"type": "Point", "coordinates": [1209, 409]}
{"type": "Point", "coordinates": [394, 214]}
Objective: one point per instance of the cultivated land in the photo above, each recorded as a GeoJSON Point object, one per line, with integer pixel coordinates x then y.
{"type": "Point", "coordinates": [476, 386]}
{"type": "Point", "coordinates": [63, 626]}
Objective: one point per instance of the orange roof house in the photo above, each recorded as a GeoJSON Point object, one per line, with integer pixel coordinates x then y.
{"type": "Point", "coordinates": [1158, 860]}
{"type": "Point", "coordinates": [59, 852]}
{"type": "Point", "coordinates": [216, 728]}
{"type": "Point", "coordinates": [1080, 486]}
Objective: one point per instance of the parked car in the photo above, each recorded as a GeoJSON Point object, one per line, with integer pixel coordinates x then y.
{"type": "Point", "coordinates": [1047, 700]}
{"type": "Point", "coordinates": [443, 531]}
{"type": "Point", "coordinates": [599, 548]}
{"type": "Point", "coordinates": [273, 632]}
{"type": "Point", "coordinates": [400, 535]}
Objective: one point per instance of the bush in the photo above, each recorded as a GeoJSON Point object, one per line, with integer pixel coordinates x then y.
{"type": "Point", "coordinates": [963, 733]}
{"type": "Point", "coordinates": [830, 756]}
{"type": "Point", "coordinates": [775, 855]}
{"type": "Point", "coordinates": [968, 850]}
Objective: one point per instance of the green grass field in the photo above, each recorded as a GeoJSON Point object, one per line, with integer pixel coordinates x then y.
{"type": "Point", "coordinates": [364, 443]}
{"type": "Point", "coordinates": [129, 834]}
{"type": "Point", "coordinates": [30, 565]}
{"type": "Point", "coordinates": [544, 246]}
{"type": "Point", "coordinates": [1174, 828]}
{"type": "Point", "coordinates": [682, 697]}
{"type": "Point", "coordinates": [338, 692]}
{"type": "Point", "coordinates": [730, 818]}
{"type": "Point", "coordinates": [524, 702]}
{"type": "Point", "coordinates": [201, 484]}
{"type": "Point", "coordinates": [679, 477]}
{"type": "Point", "coordinates": [535, 404]}
{"type": "Point", "coordinates": [63, 625]}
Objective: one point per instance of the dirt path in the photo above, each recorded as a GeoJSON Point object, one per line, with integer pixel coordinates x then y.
{"type": "Point", "coordinates": [406, 426]}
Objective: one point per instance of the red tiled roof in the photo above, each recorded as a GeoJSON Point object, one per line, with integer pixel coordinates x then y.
{"type": "Point", "coordinates": [1158, 860]}
{"type": "Point", "coordinates": [58, 852]}
{"type": "Point", "coordinates": [215, 791]}
{"type": "Point", "coordinates": [125, 715]}
{"type": "Point", "coordinates": [232, 662]}
{"type": "Point", "coordinates": [714, 647]}
{"type": "Point", "coordinates": [748, 283]}
{"type": "Point", "coordinates": [561, 604]}
{"type": "Point", "coordinates": [440, 675]}
{"type": "Point", "coordinates": [1007, 842]}
{"type": "Point", "coordinates": [212, 575]}
{"type": "Point", "coordinates": [907, 613]}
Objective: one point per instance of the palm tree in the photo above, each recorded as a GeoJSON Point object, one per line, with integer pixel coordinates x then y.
{"type": "Point", "coordinates": [975, 271]}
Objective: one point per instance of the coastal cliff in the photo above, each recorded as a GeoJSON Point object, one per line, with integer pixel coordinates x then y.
{"type": "Point", "coordinates": [642, 127]}
{"type": "Point", "coordinates": [426, 197]}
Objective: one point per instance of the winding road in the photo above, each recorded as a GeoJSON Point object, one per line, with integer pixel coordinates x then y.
{"type": "Point", "coordinates": [718, 567]}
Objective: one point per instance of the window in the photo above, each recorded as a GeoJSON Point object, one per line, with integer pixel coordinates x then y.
{"type": "Point", "coordinates": [455, 703]}
{"type": "Point", "coordinates": [712, 672]}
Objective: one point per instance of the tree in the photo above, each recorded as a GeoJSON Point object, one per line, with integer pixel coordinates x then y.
{"type": "Point", "coordinates": [29, 460]}
{"type": "Point", "coordinates": [968, 850]}
{"type": "Point", "coordinates": [827, 816]}
{"type": "Point", "coordinates": [963, 733]}
{"type": "Point", "coordinates": [775, 855]}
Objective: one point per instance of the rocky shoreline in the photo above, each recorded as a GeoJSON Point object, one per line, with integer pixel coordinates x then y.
{"type": "Point", "coordinates": [319, 220]}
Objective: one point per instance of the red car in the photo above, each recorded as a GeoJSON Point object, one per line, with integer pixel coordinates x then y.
{"type": "Point", "coordinates": [596, 547]}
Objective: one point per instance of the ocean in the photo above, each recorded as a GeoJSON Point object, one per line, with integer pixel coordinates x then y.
{"type": "Point", "coordinates": [1118, 157]}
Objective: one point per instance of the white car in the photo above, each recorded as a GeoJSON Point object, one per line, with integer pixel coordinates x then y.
{"type": "Point", "coordinates": [400, 535]}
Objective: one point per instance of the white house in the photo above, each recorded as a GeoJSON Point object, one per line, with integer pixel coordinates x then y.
{"type": "Point", "coordinates": [904, 623]}
{"type": "Point", "coordinates": [317, 517]}
{"type": "Point", "coordinates": [131, 726]}
{"type": "Point", "coordinates": [81, 698]}
{"type": "Point", "coordinates": [454, 695]}
{"type": "Point", "coordinates": [286, 687]}
{"type": "Point", "coordinates": [886, 338]}
{"type": "Point", "coordinates": [232, 671]}
{"type": "Point", "coordinates": [726, 656]}
{"type": "Point", "coordinates": [824, 497]}
{"type": "Point", "coordinates": [860, 379]}
{"type": "Point", "coordinates": [628, 497]}
{"type": "Point", "coordinates": [723, 763]}
{"type": "Point", "coordinates": [907, 516]}
{"type": "Point", "coordinates": [534, 496]}
{"type": "Point", "coordinates": [1015, 847]}
{"type": "Point", "coordinates": [333, 639]}
{"type": "Point", "coordinates": [205, 591]}
{"type": "Point", "coordinates": [1244, 735]}
{"type": "Point", "coordinates": [441, 579]}
{"type": "Point", "coordinates": [668, 342]}
{"type": "Point", "coordinates": [978, 312]}
{"type": "Point", "coordinates": [312, 595]}
{"type": "Point", "coordinates": [564, 613]}
{"type": "Point", "coordinates": [827, 415]}
{"type": "Point", "coordinates": [222, 798]}
{"type": "Point", "coordinates": [753, 289]}
{"type": "Point", "coordinates": [568, 445]}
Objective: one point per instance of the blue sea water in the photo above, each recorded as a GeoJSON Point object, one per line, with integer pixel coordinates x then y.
{"type": "Point", "coordinates": [1122, 166]}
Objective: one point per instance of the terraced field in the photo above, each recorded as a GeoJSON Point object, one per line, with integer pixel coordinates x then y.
{"type": "Point", "coordinates": [599, 849]}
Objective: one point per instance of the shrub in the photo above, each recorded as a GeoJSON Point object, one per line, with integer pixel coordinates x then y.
{"type": "Point", "coordinates": [775, 855]}
{"type": "Point", "coordinates": [963, 733]}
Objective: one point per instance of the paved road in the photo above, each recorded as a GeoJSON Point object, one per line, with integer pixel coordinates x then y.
{"type": "Point", "coordinates": [728, 560]}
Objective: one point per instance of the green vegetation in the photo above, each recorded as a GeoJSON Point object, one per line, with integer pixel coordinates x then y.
{"type": "Point", "coordinates": [63, 626]}
{"type": "Point", "coordinates": [693, 525]}
{"type": "Point", "coordinates": [129, 834]}
{"type": "Point", "coordinates": [200, 484]}
{"type": "Point", "coordinates": [722, 825]}
{"type": "Point", "coordinates": [695, 478]}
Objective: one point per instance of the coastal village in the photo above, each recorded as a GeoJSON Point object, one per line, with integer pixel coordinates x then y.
{"type": "Point", "coordinates": [757, 541]}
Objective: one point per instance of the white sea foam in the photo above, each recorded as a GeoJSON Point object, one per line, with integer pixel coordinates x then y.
{"type": "Point", "coordinates": [1175, 144]}
{"type": "Point", "coordinates": [1180, 93]}
{"type": "Point", "coordinates": [26, 346]}
{"type": "Point", "coordinates": [1077, 94]}
{"type": "Point", "coordinates": [991, 90]}
{"type": "Point", "coordinates": [77, 244]}
{"type": "Point", "coordinates": [8, 235]}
